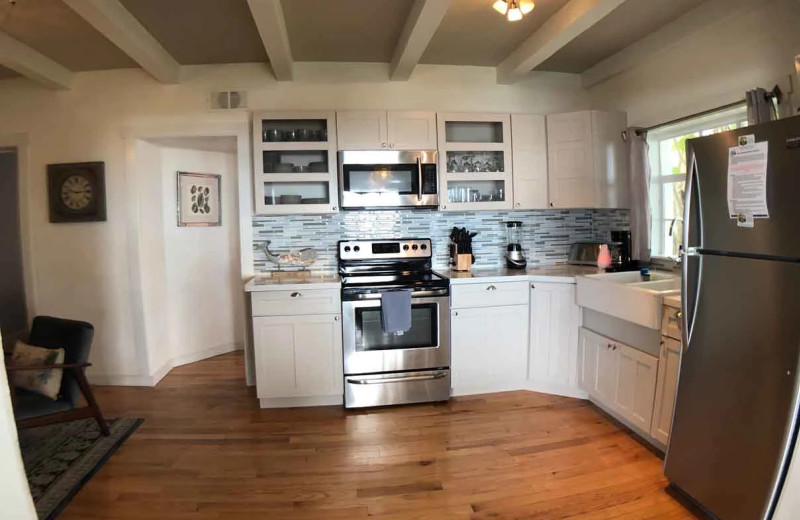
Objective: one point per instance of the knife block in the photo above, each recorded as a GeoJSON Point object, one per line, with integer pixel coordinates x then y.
{"type": "Point", "coordinates": [463, 262]}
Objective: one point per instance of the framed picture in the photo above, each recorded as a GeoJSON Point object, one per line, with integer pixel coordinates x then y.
{"type": "Point", "coordinates": [77, 192]}
{"type": "Point", "coordinates": [199, 201]}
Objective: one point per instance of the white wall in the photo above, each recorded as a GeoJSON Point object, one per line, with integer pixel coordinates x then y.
{"type": "Point", "coordinates": [752, 47]}
{"type": "Point", "coordinates": [86, 271]}
{"type": "Point", "coordinates": [203, 282]}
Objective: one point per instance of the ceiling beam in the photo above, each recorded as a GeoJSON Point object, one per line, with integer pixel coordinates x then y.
{"type": "Point", "coordinates": [567, 24]}
{"type": "Point", "coordinates": [268, 15]}
{"type": "Point", "coordinates": [699, 18]}
{"type": "Point", "coordinates": [20, 58]}
{"type": "Point", "coordinates": [123, 29]}
{"type": "Point", "coordinates": [422, 22]}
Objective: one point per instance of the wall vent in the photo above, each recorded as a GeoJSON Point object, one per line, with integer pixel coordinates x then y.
{"type": "Point", "coordinates": [229, 99]}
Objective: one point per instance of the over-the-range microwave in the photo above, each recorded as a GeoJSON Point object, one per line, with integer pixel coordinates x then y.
{"type": "Point", "coordinates": [385, 179]}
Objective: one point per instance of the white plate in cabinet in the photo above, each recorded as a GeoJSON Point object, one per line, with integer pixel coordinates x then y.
{"type": "Point", "coordinates": [554, 322]}
{"type": "Point", "coordinates": [488, 294]}
{"type": "Point", "coordinates": [291, 303]}
{"type": "Point", "coordinates": [381, 130]}
{"type": "Point", "coordinates": [298, 356]}
{"type": "Point", "coordinates": [666, 386]}
{"type": "Point", "coordinates": [636, 385]}
{"type": "Point", "coordinates": [529, 157]}
{"type": "Point", "coordinates": [489, 348]}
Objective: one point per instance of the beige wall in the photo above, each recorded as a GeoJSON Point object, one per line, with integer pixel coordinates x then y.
{"type": "Point", "coordinates": [752, 47]}
{"type": "Point", "coordinates": [90, 271]}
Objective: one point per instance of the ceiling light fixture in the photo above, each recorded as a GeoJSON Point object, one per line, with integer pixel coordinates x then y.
{"type": "Point", "coordinates": [513, 10]}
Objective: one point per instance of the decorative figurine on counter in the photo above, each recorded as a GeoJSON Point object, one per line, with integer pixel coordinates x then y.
{"type": "Point", "coordinates": [300, 258]}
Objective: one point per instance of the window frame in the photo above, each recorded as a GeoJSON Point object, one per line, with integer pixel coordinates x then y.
{"type": "Point", "coordinates": [658, 182]}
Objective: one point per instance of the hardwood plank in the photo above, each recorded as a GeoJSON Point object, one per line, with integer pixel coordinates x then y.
{"type": "Point", "coordinates": [207, 452]}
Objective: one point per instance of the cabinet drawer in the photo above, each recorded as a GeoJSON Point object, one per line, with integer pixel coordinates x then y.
{"type": "Point", "coordinates": [292, 303]}
{"type": "Point", "coordinates": [671, 323]}
{"type": "Point", "coordinates": [489, 294]}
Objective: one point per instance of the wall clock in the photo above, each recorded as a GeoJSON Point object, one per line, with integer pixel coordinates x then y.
{"type": "Point", "coordinates": [77, 192]}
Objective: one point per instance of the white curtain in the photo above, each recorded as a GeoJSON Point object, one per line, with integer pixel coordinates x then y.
{"type": "Point", "coordinates": [639, 171]}
{"type": "Point", "coordinates": [760, 109]}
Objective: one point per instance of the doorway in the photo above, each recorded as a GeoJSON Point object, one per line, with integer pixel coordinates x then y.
{"type": "Point", "coordinates": [13, 308]}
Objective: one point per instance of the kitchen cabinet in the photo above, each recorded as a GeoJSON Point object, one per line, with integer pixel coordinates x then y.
{"type": "Point", "coordinates": [298, 356]}
{"type": "Point", "coordinates": [553, 340]}
{"type": "Point", "coordinates": [488, 348]}
{"type": "Point", "coordinates": [666, 386]}
{"type": "Point", "coordinates": [294, 162]}
{"type": "Point", "coordinates": [529, 158]}
{"type": "Point", "coordinates": [381, 130]}
{"type": "Point", "coordinates": [620, 378]}
{"type": "Point", "coordinates": [587, 160]}
{"type": "Point", "coordinates": [475, 164]}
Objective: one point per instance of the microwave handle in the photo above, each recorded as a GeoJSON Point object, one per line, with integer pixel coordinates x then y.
{"type": "Point", "coordinates": [419, 179]}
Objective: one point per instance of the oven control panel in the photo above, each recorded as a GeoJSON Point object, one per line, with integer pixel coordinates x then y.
{"type": "Point", "coordinates": [385, 249]}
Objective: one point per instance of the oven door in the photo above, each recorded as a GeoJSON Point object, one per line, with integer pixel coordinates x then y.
{"type": "Point", "coordinates": [369, 350]}
{"type": "Point", "coordinates": [387, 179]}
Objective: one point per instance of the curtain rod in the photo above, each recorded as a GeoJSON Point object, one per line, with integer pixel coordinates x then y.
{"type": "Point", "coordinates": [686, 118]}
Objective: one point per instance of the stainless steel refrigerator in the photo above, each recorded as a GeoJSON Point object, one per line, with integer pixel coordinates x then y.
{"type": "Point", "coordinates": [736, 408]}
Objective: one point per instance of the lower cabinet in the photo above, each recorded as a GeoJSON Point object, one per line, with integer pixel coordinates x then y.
{"type": "Point", "coordinates": [618, 376]}
{"type": "Point", "coordinates": [489, 348]}
{"type": "Point", "coordinates": [554, 322]}
{"type": "Point", "coordinates": [667, 384]}
{"type": "Point", "coordinates": [298, 356]}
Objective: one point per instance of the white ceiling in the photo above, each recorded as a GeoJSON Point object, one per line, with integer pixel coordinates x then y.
{"type": "Point", "coordinates": [224, 31]}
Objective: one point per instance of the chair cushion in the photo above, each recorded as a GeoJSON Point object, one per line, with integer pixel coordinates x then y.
{"type": "Point", "coordinates": [44, 382]}
{"type": "Point", "coordinates": [30, 404]}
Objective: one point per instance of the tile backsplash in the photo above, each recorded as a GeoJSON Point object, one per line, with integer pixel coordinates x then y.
{"type": "Point", "coordinates": [547, 234]}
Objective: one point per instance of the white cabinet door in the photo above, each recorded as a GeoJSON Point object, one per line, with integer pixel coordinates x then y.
{"type": "Point", "coordinates": [587, 359]}
{"type": "Point", "coordinates": [554, 323]}
{"type": "Point", "coordinates": [610, 160]}
{"type": "Point", "coordinates": [607, 373]}
{"type": "Point", "coordinates": [636, 385]}
{"type": "Point", "coordinates": [529, 156]}
{"type": "Point", "coordinates": [489, 348]}
{"type": "Point", "coordinates": [298, 356]}
{"type": "Point", "coordinates": [362, 130]}
{"type": "Point", "coordinates": [666, 385]}
{"type": "Point", "coordinates": [412, 130]}
{"type": "Point", "coordinates": [570, 160]}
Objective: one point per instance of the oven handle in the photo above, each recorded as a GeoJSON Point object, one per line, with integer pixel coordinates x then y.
{"type": "Point", "coordinates": [378, 381]}
{"type": "Point", "coordinates": [419, 179]}
{"type": "Point", "coordinates": [414, 295]}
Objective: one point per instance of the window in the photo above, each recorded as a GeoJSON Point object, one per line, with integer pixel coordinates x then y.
{"type": "Point", "coordinates": [668, 174]}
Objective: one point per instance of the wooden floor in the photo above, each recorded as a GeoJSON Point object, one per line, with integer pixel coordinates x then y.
{"type": "Point", "coordinates": [206, 451]}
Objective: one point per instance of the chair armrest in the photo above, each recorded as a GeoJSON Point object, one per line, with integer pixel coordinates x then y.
{"type": "Point", "coordinates": [68, 366]}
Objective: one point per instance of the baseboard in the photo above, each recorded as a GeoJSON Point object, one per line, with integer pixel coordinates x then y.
{"type": "Point", "coordinates": [119, 380]}
{"type": "Point", "coordinates": [204, 354]}
{"type": "Point", "coordinates": [546, 387]}
{"type": "Point", "coordinates": [644, 437]}
{"type": "Point", "coordinates": [488, 388]}
{"type": "Point", "coordinates": [294, 402]}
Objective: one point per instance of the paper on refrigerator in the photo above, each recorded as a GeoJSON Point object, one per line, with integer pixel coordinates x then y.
{"type": "Point", "coordinates": [747, 182]}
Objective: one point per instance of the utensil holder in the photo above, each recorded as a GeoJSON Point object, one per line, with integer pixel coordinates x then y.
{"type": "Point", "coordinates": [463, 262]}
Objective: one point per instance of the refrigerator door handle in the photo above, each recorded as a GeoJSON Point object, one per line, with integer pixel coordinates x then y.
{"type": "Point", "coordinates": [688, 315]}
{"type": "Point", "coordinates": [690, 212]}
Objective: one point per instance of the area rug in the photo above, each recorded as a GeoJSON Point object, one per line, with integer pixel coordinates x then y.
{"type": "Point", "coordinates": [61, 458]}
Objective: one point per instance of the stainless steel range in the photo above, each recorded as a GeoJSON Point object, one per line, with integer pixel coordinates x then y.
{"type": "Point", "coordinates": [393, 368]}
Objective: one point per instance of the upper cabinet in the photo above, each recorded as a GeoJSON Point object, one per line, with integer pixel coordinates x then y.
{"type": "Point", "coordinates": [382, 130]}
{"type": "Point", "coordinates": [529, 156]}
{"type": "Point", "coordinates": [294, 162]}
{"type": "Point", "coordinates": [475, 167]}
{"type": "Point", "coordinates": [587, 160]}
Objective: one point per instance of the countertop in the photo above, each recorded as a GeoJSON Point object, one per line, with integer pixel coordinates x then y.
{"type": "Point", "coordinates": [553, 274]}
{"type": "Point", "coordinates": [290, 281]}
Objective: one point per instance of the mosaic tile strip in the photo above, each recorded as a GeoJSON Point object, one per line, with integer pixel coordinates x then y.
{"type": "Point", "coordinates": [547, 234]}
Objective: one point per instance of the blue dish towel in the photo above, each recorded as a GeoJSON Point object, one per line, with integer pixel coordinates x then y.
{"type": "Point", "coordinates": [396, 311]}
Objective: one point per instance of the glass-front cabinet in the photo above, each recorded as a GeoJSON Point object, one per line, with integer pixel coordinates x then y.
{"type": "Point", "coordinates": [294, 162]}
{"type": "Point", "coordinates": [475, 161]}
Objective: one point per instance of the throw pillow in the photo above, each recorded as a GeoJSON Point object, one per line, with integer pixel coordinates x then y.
{"type": "Point", "coordinates": [45, 382]}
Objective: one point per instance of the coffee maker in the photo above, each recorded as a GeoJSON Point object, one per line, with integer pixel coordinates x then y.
{"type": "Point", "coordinates": [515, 259]}
{"type": "Point", "coordinates": [621, 250]}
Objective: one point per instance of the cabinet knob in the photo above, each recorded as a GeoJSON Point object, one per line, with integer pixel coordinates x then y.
{"type": "Point", "coordinates": [614, 347]}
{"type": "Point", "coordinates": [383, 145]}
{"type": "Point", "coordinates": [491, 288]}
{"type": "Point", "coordinates": [444, 207]}
{"type": "Point", "coordinates": [517, 204]}
{"type": "Point", "coordinates": [455, 313]}
{"type": "Point", "coordinates": [334, 208]}
{"type": "Point", "coordinates": [608, 346]}
{"type": "Point", "coordinates": [296, 295]}
{"type": "Point", "coordinates": [551, 204]}
{"type": "Point", "coordinates": [336, 318]}
{"type": "Point", "coordinates": [533, 286]}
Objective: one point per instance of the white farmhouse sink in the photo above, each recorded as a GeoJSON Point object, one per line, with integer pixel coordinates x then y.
{"type": "Point", "coordinates": [628, 296]}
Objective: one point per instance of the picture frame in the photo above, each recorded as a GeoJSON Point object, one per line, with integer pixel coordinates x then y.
{"type": "Point", "coordinates": [199, 201]}
{"type": "Point", "coordinates": [76, 192]}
